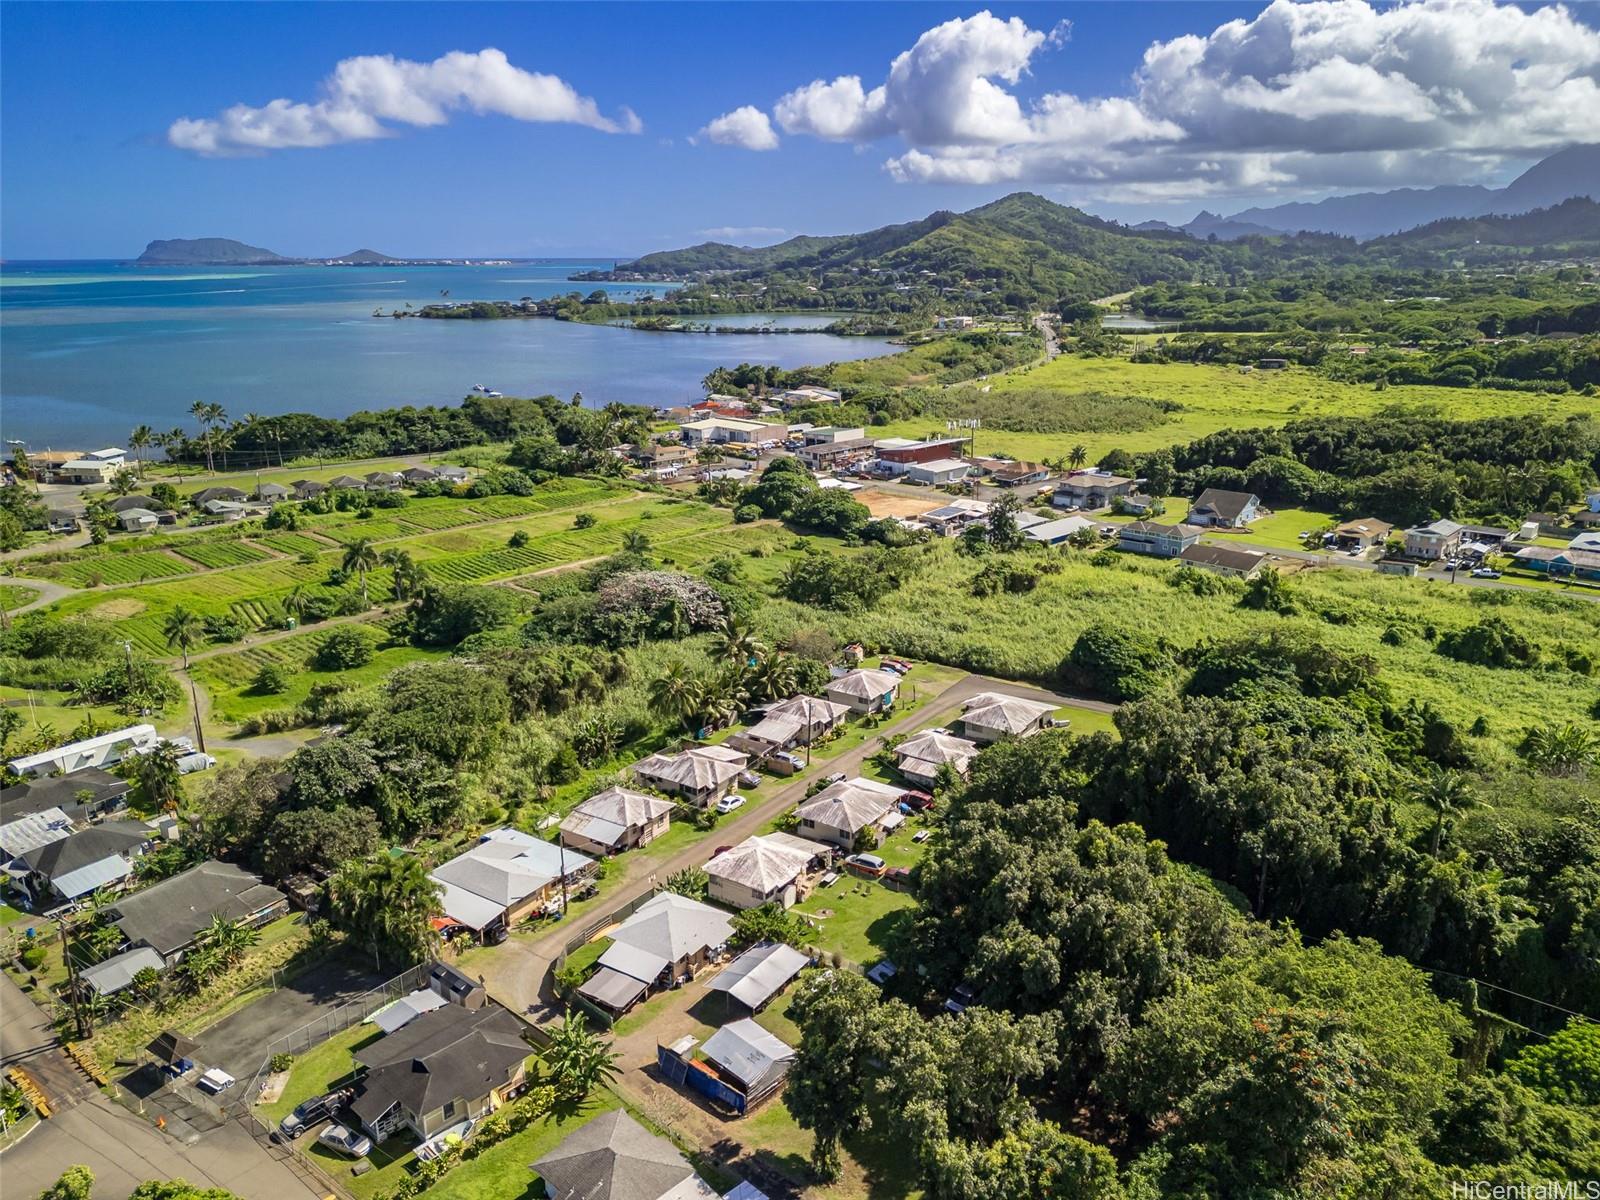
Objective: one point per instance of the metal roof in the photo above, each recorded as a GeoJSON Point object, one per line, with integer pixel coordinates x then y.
{"type": "Point", "coordinates": [407, 1009]}
{"type": "Point", "coordinates": [760, 973]}
{"type": "Point", "coordinates": [33, 830]}
{"type": "Point", "coordinates": [117, 972]}
{"type": "Point", "coordinates": [612, 988]}
{"type": "Point", "coordinates": [748, 1052]}
{"type": "Point", "coordinates": [644, 965]}
{"type": "Point", "coordinates": [674, 927]}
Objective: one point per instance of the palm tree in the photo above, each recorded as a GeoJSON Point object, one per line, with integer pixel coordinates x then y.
{"type": "Point", "coordinates": [578, 1060]}
{"type": "Point", "coordinates": [388, 903]}
{"type": "Point", "coordinates": [1447, 793]}
{"type": "Point", "coordinates": [1079, 456]}
{"type": "Point", "coordinates": [183, 631]}
{"type": "Point", "coordinates": [201, 411]}
{"type": "Point", "coordinates": [230, 939]}
{"type": "Point", "coordinates": [297, 601]}
{"type": "Point", "coordinates": [673, 692]}
{"type": "Point", "coordinates": [636, 542]}
{"type": "Point", "coordinates": [361, 557]}
{"type": "Point", "coordinates": [218, 417]}
{"type": "Point", "coordinates": [139, 441]}
{"type": "Point", "coordinates": [773, 678]}
{"type": "Point", "coordinates": [171, 442]}
{"type": "Point", "coordinates": [1562, 749]}
{"type": "Point", "coordinates": [737, 643]}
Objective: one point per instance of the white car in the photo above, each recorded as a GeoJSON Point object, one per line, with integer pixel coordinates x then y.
{"type": "Point", "coordinates": [728, 803]}
{"type": "Point", "coordinates": [1486, 573]}
{"type": "Point", "coordinates": [345, 1141]}
{"type": "Point", "coordinates": [190, 763]}
{"type": "Point", "coordinates": [216, 1081]}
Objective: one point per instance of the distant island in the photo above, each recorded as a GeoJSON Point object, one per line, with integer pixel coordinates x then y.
{"type": "Point", "coordinates": [225, 252]}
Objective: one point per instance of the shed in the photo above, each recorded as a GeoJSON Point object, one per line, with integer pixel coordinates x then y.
{"type": "Point", "coordinates": [759, 974]}
{"type": "Point", "coordinates": [744, 1051]}
{"type": "Point", "coordinates": [117, 972]}
{"type": "Point", "coordinates": [613, 990]}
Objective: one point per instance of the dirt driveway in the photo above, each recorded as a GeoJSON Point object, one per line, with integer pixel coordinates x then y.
{"type": "Point", "coordinates": [896, 504]}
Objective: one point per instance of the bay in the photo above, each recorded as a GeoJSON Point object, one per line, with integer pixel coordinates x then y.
{"type": "Point", "coordinates": [88, 349]}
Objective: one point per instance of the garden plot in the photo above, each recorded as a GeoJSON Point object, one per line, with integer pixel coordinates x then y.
{"type": "Point", "coordinates": [92, 570]}
{"type": "Point", "coordinates": [216, 555]}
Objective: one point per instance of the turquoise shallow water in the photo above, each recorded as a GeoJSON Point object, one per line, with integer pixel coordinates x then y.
{"type": "Point", "coordinates": [90, 349]}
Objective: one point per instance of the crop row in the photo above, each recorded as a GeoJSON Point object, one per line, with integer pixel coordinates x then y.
{"type": "Point", "coordinates": [293, 543]}
{"type": "Point", "coordinates": [91, 571]}
{"type": "Point", "coordinates": [221, 554]}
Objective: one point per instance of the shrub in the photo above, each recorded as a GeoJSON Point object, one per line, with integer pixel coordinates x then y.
{"type": "Point", "coordinates": [345, 649]}
{"type": "Point", "coordinates": [583, 521]}
{"type": "Point", "coordinates": [1116, 663]}
{"type": "Point", "coordinates": [271, 680]}
{"type": "Point", "coordinates": [281, 1062]}
{"type": "Point", "coordinates": [518, 540]}
{"type": "Point", "coordinates": [32, 957]}
{"type": "Point", "coordinates": [746, 513]}
{"type": "Point", "coordinates": [1489, 643]}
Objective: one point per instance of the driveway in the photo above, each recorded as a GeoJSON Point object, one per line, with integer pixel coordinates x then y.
{"type": "Point", "coordinates": [239, 1042]}
{"type": "Point", "coordinates": [124, 1150]}
{"type": "Point", "coordinates": [28, 1041]}
{"type": "Point", "coordinates": [515, 972]}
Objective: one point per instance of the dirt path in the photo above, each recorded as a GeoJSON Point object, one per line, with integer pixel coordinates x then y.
{"type": "Point", "coordinates": [49, 592]}
{"type": "Point", "coordinates": [515, 973]}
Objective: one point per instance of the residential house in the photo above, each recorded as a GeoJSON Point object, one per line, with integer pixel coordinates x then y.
{"type": "Point", "coordinates": [702, 775]}
{"type": "Point", "coordinates": [1136, 504]}
{"type": "Point", "coordinates": [271, 493]}
{"type": "Point", "coordinates": [87, 470]}
{"type": "Point", "coordinates": [760, 974]}
{"type": "Point", "coordinates": [948, 520]}
{"type": "Point", "coordinates": [864, 691]}
{"type": "Point", "coordinates": [809, 394]}
{"type": "Point", "coordinates": [662, 454]}
{"type": "Point", "coordinates": [1224, 509]}
{"type": "Point", "coordinates": [797, 721]}
{"type": "Point", "coordinates": [955, 322]}
{"type": "Point", "coordinates": [507, 876]}
{"type": "Point", "coordinates": [123, 503]}
{"type": "Point", "coordinates": [452, 474]}
{"type": "Point", "coordinates": [444, 1067]}
{"type": "Point", "coordinates": [112, 975]}
{"type": "Point", "coordinates": [1224, 560]}
{"type": "Point", "coordinates": [90, 794]}
{"type": "Point", "coordinates": [226, 510]}
{"type": "Point", "coordinates": [138, 520]}
{"type": "Point", "coordinates": [1560, 564]}
{"type": "Point", "coordinates": [307, 489]}
{"type": "Point", "coordinates": [754, 1061]}
{"type": "Point", "coordinates": [920, 757]}
{"type": "Point", "coordinates": [102, 750]}
{"type": "Point", "coordinates": [383, 481]}
{"type": "Point", "coordinates": [897, 460]}
{"type": "Point", "coordinates": [938, 473]}
{"type": "Point", "coordinates": [61, 520]}
{"type": "Point", "coordinates": [761, 870]}
{"type": "Point", "coordinates": [1053, 533]}
{"type": "Point", "coordinates": [1585, 541]}
{"type": "Point", "coordinates": [47, 464]}
{"type": "Point", "coordinates": [348, 483]}
{"type": "Point", "coordinates": [1159, 541]}
{"type": "Point", "coordinates": [1592, 499]}
{"type": "Point", "coordinates": [1018, 474]}
{"type": "Point", "coordinates": [616, 820]}
{"type": "Point", "coordinates": [22, 832]}
{"type": "Point", "coordinates": [1435, 540]}
{"type": "Point", "coordinates": [205, 495]}
{"type": "Point", "coordinates": [98, 858]}
{"type": "Point", "coordinates": [725, 430]}
{"type": "Point", "coordinates": [849, 814]}
{"type": "Point", "coordinates": [168, 916]}
{"type": "Point", "coordinates": [1361, 534]}
{"type": "Point", "coordinates": [613, 1157]}
{"type": "Point", "coordinates": [684, 934]}
{"type": "Point", "coordinates": [416, 475]}
{"type": "Point", "coordinates": [1093, 489]}
{"type": "Point", "coordinates": [990, 716]}
{"type": "Point", "coordinates": [1489, 537]}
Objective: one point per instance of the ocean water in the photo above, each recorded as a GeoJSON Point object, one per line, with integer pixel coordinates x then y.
{"type": "Point", "coordinates": [90, 349]}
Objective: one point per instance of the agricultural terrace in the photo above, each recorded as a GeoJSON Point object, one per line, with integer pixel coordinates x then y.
{"type": "Point", "coordinates": [1212, 398]}
{"type": "Point", "coordinates": [476, 550]}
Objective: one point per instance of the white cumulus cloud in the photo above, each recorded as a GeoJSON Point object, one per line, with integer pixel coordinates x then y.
{"type": "Point", "coordinates": [1307, 94]}
{"type": "Point", "coordinates": [367, 96]}
{"type": "Point", "coordinates": [747, 127]}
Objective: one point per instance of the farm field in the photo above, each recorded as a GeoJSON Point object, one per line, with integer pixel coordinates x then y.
{"type": "Point", "coordinates": [94, 568]}
{"type": "Point", "coordinates": [1216, 398]}
{"type": "Point", "coordinates": [14, 596]}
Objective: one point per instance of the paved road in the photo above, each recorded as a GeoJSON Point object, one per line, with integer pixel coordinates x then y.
{"type": "Point", "coordinates": [28, 1040]}
{"type": "Point", "coordinates": [49, 593]}
{"type": "Point", "coordinates": [124, 1150]}
{"type": "Point", "coordinates": [515, 972]}
{"type": "Point", "coordinates": [1462, 578]}
{"type": "Point", "coordinates": [240, 1041]}
{"type": "Point", "coordinates": [1047, 331]}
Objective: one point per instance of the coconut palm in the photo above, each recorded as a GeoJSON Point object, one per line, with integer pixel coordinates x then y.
{"type": "Point", "coordinates": [360, 558]}
{"type": "Point", "coordinates": [183, 631]}
{"type": "Point", "coordinates": [297, 601]}
{"type": "Point", "coordinates": [1078, 456]}
{"type": "Point", "coordinates": [673, 693]}
{"type": "Point", "coordinates": [636, 542]}
{"type": "Point", "coordinates": [737, 643]}
{"type": "Point", "coordinates": [139, 441]}
{"type": "Point", "coordinates": [201, 411]}
{"type": "Point", "coordinates": [387, 903]}
{"type": "Point", "coordinates": [773, 678]}
{"type": "Point", "coordinates": [1447, 793]}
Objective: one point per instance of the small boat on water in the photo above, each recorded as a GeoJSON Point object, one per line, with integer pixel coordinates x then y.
{"type": "Point", "coordinates": [484, 391]}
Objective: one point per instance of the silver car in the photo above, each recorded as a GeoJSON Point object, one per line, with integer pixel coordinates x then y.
{"type": "Point", "coordinates": [345, 1141]}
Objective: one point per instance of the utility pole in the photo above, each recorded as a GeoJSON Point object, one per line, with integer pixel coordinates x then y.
{"type": "Point", "coordinates": [80, 1014]}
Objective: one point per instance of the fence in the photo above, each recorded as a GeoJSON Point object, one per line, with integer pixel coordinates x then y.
{"type": "Point", "coordinates": [616, 916]}
{"type": "Point", "coordinates": [336, 1020]}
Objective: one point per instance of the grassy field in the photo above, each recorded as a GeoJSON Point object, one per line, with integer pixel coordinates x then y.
{"type": "Point", "coordinates": [936, 617]}
{"type": "Point", "coordinates": [1216, 398]}
{"type": "Point", "coordinates": [859, 918]}
{"type": "Point", "coordinates": [13, 596]}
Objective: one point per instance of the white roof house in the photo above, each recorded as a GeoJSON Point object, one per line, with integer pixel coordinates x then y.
{"type": "Point", "coordinates": [98, 751]}
{"type": "Point", "coordinates": [992, 715]}
{"type": "Point", "coordinates": [674, 928]}
{"type": "Point", "coordinates": [615, 817]}
{"type": "Point", "coordinates": [760, 870]}
{"type": "Point", "coordinates": [700, 773]}
{"type": "Point", "coordinates": [921, 755]}
{"type": "Point", "coordinates": [33, 830]}
{"type": "Point", "coordinates": [1052, 533]}
{"type": "Point", "coordinates": [109, 454]}
{"type": "Point", "coordinates": [728, 429]}
{"type": "Point", "coordinates": [840, 812]}
{"type": "Point", "coordinates": [407, 1009]}
{"type": "Point", "coordinates": [864, 690]}
{"type": "Point", "coordinates": [506, 869]}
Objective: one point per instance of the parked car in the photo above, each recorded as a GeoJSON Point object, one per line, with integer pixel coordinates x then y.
{"type": "Point", "coordinates": [836, 777]}
{"type": "Point", "coordinates": [829, 878]}
{"type": "Point", "coordinates": [216, 1081]}
{"type": "Point", "coordinates": [899, 876]}
{"type": "Point", "coordinates": [349, 1142]}
{"type": "Point", "coordinates": [1486, 573]}
{"type": "Point", "coordinates": [959, 1000]}
{"type": "Point", "coordinates": [921, 835]}
{"type": "Point", "coordinates": [728, 803]}
{"type": "Point", "coordinates": [190, 763]}
{"type": "Point", "coordinates": [866, 864]}
{"type": "Point", "coordinates": [883, 972]}
{"type": "Point", "coordinates": [917, 801]}
{"type": "Point", "coordinates": [309, 1112]}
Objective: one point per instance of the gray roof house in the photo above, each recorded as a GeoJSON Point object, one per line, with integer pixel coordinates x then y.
{"type": "Point", "coordinates": [440, 1068]}
{"type": "Point", "coordinates": [681, 932]}
{"type": "Point", "coordinates": [1225, 560]}
{"type": "Point", "coordinates": [136, 520]}
{"type": "Point", "coordinates": [305, 489]}
{"type": "Point", "coordinates": [110, 976]}
{"type": "Point", "coordinates": [990, 716]}
{"type": "Point", "coordinates": [921, 755]}
{"type": "Point", "coordinates": [842, 813]}
{"type": "Point", "coordinates": [272, 491]}
{"type": "Point", "coordinates": [83, 862]}
{"type": "Point", "coordinates": [765, 869]}
{"type": "Point", "coordinates": [217, 493]}
{"type": "Point", "coordinates": [505, 877]}
{"type": "Point", "coordinates": [419, 474]}
{"type": "Point", "coordinates": [759, 974]}
{"type": "Point", "coordinates": [1224, 509]}
{"type": "Point", "coordinates": [756, 1060]}
{"type": "Point", "coordinates": [616, 819]}
{"type": "Point", "coordinates": [613, 1157]}
{"type": "Point", "coordinates": [864, 691]}
{"type": "Point", "coordinates": [169, 915]}
{"type": "Point", "coordinates": [701, 774]}
{"type": "Point", "coordinates": [82, 795]}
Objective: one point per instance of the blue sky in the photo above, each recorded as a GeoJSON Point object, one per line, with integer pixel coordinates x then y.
{"type": "Point", "coordinates": [1046, 101]}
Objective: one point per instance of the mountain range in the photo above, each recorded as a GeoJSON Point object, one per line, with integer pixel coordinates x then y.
{"type": "Point", "coordinates": [1574, 171]}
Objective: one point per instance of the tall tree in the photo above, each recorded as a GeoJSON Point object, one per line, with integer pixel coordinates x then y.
{"type": "Point", "coordinates": [1446, 793]}
{"type": "Point", "coordinates": [360, 558]}
{"type": "Point", "coordinates": [830, 1082]}
{"type": "Point", "coordinates": [388, 904]}
{"type": "Point", "coordinates": [183, 630]}
{"type": "Point", "coordinates": [139, 441]}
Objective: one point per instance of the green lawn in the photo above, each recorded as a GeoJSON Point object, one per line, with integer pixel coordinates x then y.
{"type": "Point", "coordinates": [873, 1164]}
{"type": "Point", "coordinates": [1087, 720]}
{"type": "Point", "coordinates": [863, 918]}
{"type": "Point", "coordinates": [14, 596]}
{"type": "Point", "coordinates": [319, 1070]}
{"type": "Point", "coordinates": [501, 1172]}
{"type": "Point", "coordinates": [1279, 531]}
